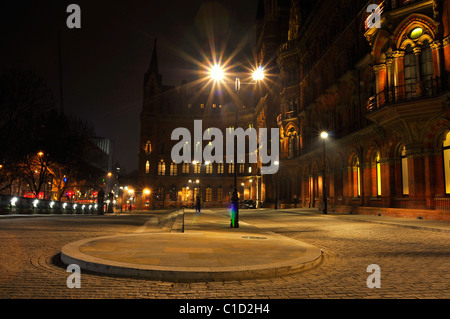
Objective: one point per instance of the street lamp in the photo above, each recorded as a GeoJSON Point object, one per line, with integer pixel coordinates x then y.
{"type": "Point", "coordinates": [217, 74]}
{"type": "Point", "coordinates": [324, 136]}
{"type": "Point", "coordinates": [130, 194]}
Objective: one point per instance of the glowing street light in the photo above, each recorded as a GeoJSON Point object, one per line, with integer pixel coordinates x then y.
{"type": "Point", "coordinates": [324, 136]}
{"type": "Point", "coordinates": [216, 73]}
{"type": "Point", "coordinates": [258, 74]}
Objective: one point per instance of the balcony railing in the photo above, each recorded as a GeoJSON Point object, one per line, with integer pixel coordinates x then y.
{"type": "Point", "coordinates": [409, 92]}
{"type": "Point", "coordinates": [286, 116]}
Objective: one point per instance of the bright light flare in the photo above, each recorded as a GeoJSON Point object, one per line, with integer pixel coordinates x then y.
{"type": "Point", "coordinates": [258, 74]}
{"type": "Point", "coordinates": [14, 201]}
{"type": "Point", "coordinates": [324, 135]}
{"type": "Point", "coordinates": [216, 73]}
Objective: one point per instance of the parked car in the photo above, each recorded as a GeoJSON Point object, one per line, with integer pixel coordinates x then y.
{"type": "Point", "coordinates": [248, 204]}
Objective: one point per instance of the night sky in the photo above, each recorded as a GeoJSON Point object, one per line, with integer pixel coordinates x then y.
{"type": "Point", "coordinates": [104, 62]}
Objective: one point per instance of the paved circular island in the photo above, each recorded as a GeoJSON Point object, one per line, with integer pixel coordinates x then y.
{"type": "Point", "coordinates": [193, 256]}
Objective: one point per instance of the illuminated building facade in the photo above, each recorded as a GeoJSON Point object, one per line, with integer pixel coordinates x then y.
{"type": "Point", "coordinates": [166, 108]}
{"type": "Point", "coordinates": [381, 93]}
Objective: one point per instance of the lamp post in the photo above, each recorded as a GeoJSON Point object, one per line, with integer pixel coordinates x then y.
{"type": "Point", "coordinates": [276, 187]}
{"type": "Point", "coordinates": [324, 136]}
{"type": "Point", "coordinates": [217, 74]}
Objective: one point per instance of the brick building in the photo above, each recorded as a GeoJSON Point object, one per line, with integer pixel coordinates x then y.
{"type": "Point", "coordinates": [381, 93]}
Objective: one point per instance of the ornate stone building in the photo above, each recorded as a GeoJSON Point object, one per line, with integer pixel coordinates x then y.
{"type": "Point", "coordinates": [166, 108]}
{"type": "Point", "coordinates": [381, 92]}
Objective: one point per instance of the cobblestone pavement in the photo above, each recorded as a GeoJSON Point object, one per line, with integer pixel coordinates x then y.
{"type": "Point", "coordinates": [414, 263]}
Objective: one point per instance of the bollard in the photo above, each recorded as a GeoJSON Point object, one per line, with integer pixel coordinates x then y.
{"type": "Point", "coordinates": [182, 227]}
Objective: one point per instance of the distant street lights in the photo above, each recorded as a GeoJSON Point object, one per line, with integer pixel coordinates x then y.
{"type": "Point", "coordinates": [324, 136]}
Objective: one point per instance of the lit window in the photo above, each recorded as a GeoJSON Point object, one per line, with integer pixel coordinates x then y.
{"type": "Point", "coordinates": [377, 170]}
{"type": "Point", "coordinates": [209, 169]}
{"type": "Point", "coordinates": [197, 168]}
{"type": "Point", "coordinates": [208, 194]}
{"type": "Point", "coordinates": [161, 168]}
{"type": "Point", "coordinates": [446, 157]}
{"type": "Point", "coordinates": [405, 183]}
{"type": "Point", "coordinates": [173, 169]}
{"type": "Point", "coordinates": [220, 168]}
{"type": "Point", "coordinates": [230, 168]}
{"type": "Point", "coordinates": [147, 167]}
{"type": "Point", "coordinates": [148, 147]}
{"type": "Point", "coordinates": [416, 33]}
{"type": "Point", "coordinates": [356, 178]}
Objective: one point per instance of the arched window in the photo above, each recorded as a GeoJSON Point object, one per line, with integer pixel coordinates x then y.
{"type": "Point", "coordinates": [220, 194]}
{"type": "Point", "coordinates": [376, 173]}
{"type": "Point", "coordinates": [426, 69]}
{"type": "Point", "coordinates": [147, 167]}
{"type": "Point", "coordinates": [338, 178]}
{"type": "Point", "coordinates": [356, 177]}
{"type": "Point", "coordinates": [208, 194]}
{"type": "Point", "coordinates": [148, 147]}
{"type": "Point", "coordinates": [446, 157]}
{"type": "Point", "coordinates": [184, 193]}
{"type": "Point", "coordinates": [405, 181]}
{"type": "Point", "coordinates": [291, 147]}
{"type": "Point", "coordinates": [173, 169]}
{"type": "Point", "coordinates": [197, 168]}
{"type": "Point", "coordinates": [410, 72]}
{"type": "Point", "coordinates": [230, 168]}
{"type": "Point", "coordinates": [161, 168]}
{"type": "Point", "coordinates": [173, 194]}
{"type": "Point", "coordinates": [209, 168]}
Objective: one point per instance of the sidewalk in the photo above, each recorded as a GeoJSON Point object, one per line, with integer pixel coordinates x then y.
{"type": "Point", "coordinates": [207, 250]}
{"type": "Point", "coordinates": [433, 225]}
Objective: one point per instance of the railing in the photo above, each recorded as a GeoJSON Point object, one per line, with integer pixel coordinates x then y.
{"type": "Point", "coordinates": [409, 92]}
{"type": "Point", "coordinates": [286, 116]}
{"type": "Point", "coordinates": [394, 4]}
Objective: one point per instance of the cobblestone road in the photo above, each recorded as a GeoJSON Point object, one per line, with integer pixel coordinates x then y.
{"type": "Point", "coordinates": [414, 263]}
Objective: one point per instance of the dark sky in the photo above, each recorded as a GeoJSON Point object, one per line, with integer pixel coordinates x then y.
{"type": "Point", "coordinates": [104, 62]}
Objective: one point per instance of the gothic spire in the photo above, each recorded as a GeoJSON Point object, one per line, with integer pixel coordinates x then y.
{"type": "Point", "coordinates": [153, 68]}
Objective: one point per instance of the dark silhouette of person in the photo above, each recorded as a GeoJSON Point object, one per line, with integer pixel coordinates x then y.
{"type": "Point", "coordinates": [111, 200]}
{"type": "Point", "coordinates": [100, 201]}
{"type": "Point", "coordinates": [198, 205]}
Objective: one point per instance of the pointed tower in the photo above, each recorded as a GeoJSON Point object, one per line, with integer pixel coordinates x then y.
{"type": "Point", "coordinates": [152, 84]}
{"type": "Point", "coordinates": [149, 114]}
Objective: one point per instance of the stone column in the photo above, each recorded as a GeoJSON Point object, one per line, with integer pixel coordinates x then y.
{"type": "Point", "coordinates": [380, 81]}
{"type": "Point", "coordinates": [399, 74]}
{"type": "Point", "coordinates": [419, 87]}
